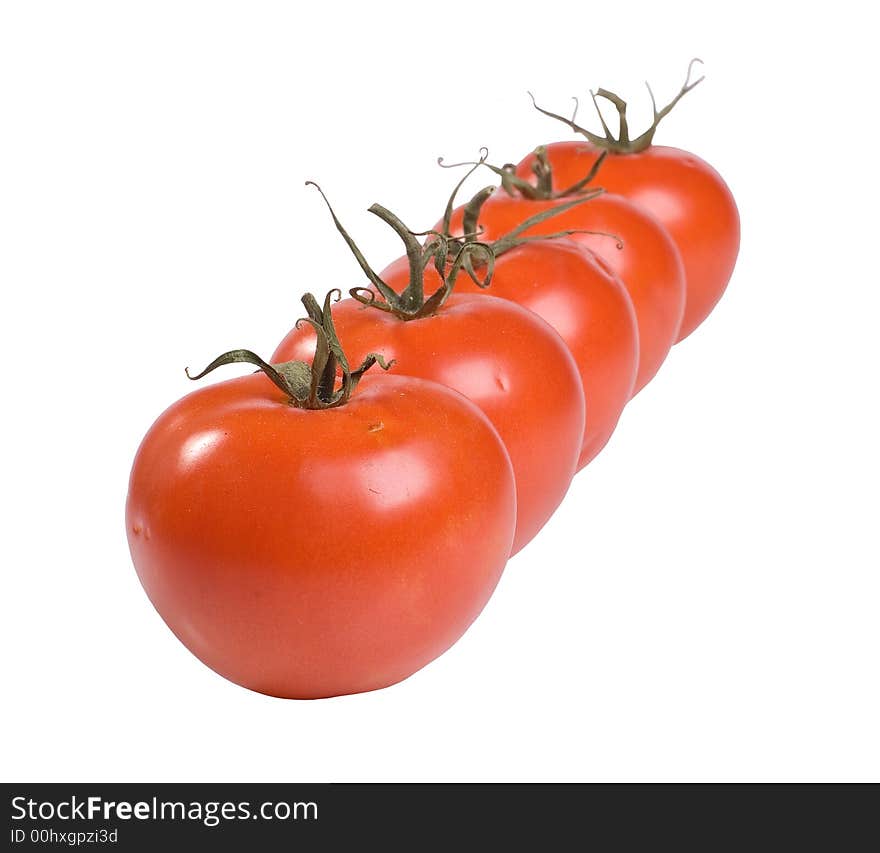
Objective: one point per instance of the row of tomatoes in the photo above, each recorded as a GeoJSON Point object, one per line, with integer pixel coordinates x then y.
{"type": "Point", "coordinates": [313, 529]}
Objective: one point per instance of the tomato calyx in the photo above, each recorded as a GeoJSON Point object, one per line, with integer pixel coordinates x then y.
{"type": "Point", "coordinates": [541, 189]}
{"type": "Point", "coordinates": [309, 386]}
{"type": "Point", "coordinates": [514, 185]}
{"type": "Point", "coordinates": [516, 236]}
{"type": "Point", "coordinates": [411, 303]}
{"type": "Point", "coordinates": [622, 144]}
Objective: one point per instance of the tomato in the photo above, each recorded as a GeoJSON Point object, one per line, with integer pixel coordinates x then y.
{"type": "Point", "coordinates": [686, 196]}
{"type": "Point", "coordinates": [504, 358]}
{"type": "Point", "coordinates": [684, 193]}
{"type": "Point", "coordinates": [587, 304]}
{"type": "Point", "coordinates": [309, 553]}
{"type": "Point", "coordinates": [648, 263]}
{"type": "Point", "coordinates": [500, 356]}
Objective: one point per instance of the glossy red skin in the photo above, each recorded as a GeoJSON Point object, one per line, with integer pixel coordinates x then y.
{"type": "Point", "coordinates": [577, 293]}
{"type": "Point", "coordinates": [684, 193]}
{"type": "Point", "coordinates": [306, 554]}
{"type": "Point", "coordinates": [648, 264]}
{"type": "Point", "coordinates": [505, 359]}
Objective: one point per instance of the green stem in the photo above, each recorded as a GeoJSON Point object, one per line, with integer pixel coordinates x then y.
{"type": "Point", "coordinates": [542, 189]}
{"type": "Point", "coordinates": [622, 144]}
{"type": "Point", "coordinates": [308, 386]}
{"type": "Point", "coordinates": [411, 303]}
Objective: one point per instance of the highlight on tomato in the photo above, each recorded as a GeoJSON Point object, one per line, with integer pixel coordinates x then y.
{"type": "Point", "coordinates": [504, 358]}
{"type": "Point", "coordinates": [684, 193]}
{"type": "Point", "coordinates": [631, 242]}
{"type": "Point", "coordinates": [308, 531]}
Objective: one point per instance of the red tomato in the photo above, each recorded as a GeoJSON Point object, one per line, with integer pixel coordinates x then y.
{"type": "Point", "coordinates": [684, 193]}
{"type": "Point", "coordinates": [505, 359]}
{"type": "Point", "coordinates": [315, 553]}
{"type": "Point", "coordinates": [648, 263]}
{"type": "Point", "coordinates": [576, 293]}
{"type": "Point", "coordinates": [686, 196]}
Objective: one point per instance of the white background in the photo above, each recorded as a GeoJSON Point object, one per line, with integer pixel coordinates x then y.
{"type": "Point", "coordinates": [705, 603]}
